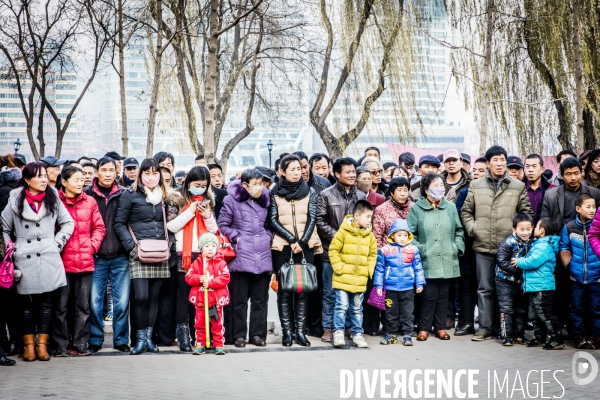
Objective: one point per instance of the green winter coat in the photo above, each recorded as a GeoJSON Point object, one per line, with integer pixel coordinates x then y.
{"type": "Point", "coordinates": [487, 214]}
{"type": "Point", "coordinates": [439, 236]}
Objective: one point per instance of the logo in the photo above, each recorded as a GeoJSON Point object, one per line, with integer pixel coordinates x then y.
{"type": "Point", "coordinates": [583, 363]}
{"type": "Point", "coordinates": [388, 303]}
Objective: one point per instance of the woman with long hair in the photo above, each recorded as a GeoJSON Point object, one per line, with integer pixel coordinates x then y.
{"type": "Point", "coordinates": [292, 216]}
{"type": "Point", "coordinates": [592, 169]}
{"type": "Point", "coordinates": [78, 258]}
{"type": "Point", "coordinates": [190, 215]}
{"type": "Point", "coordinates": [141, 211]}
{"type": "Point", "coordinates": [40, 225]}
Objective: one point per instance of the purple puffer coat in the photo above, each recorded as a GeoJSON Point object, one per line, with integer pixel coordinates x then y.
{"type": "Point", "coordinates": [242, 219]}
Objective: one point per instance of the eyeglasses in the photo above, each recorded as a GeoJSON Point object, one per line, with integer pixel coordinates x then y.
{"type": "Point", "coordinates": [377, 172]}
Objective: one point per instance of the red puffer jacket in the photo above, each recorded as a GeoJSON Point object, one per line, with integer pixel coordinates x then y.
{"type": "Point", "coordinates": [78, 253]}
{"type": "Point", "coordinates": [218, 278]}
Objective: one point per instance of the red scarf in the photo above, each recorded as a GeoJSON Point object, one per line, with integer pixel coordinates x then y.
{"type": "Point", "coordinates": [188, 232]}
{"type": "Point", "coordinates": [34, 200]}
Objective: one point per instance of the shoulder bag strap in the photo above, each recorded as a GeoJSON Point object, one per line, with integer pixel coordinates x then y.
{"type": "Point", "coordinates": [132, 235]}
{"type": "Point", "coordinates": [165, 220]}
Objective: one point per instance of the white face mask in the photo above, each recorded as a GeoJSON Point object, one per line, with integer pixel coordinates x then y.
{"type": "Point", "coordinates": [437, 193]}
{"type": "Point", "coordinates": [254, 190]}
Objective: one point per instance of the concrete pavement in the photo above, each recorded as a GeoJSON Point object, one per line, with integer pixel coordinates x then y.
{"type": "Point", "coordinates": [298, 373]}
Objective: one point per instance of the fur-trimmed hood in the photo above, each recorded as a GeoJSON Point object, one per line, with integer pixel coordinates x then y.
{"type": "Point", "coordinates": [9, 176]}
{"type": "Point", "coordinates": [240, 194]}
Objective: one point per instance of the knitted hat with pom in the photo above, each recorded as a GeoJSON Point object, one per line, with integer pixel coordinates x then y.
{"type": "Point", "coordinates": [207, 238]}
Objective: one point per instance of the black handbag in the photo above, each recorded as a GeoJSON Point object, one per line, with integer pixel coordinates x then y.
{"type": "Point", "coordinates": [297, 278]}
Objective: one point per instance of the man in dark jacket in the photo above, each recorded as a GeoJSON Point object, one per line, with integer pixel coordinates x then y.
{"type": "Point", "coordinates": [427, 164]}
{"type": "Point", "coordinates": [333, 205]}
{"type": "Point", "coordinates": [559, 205]}
{"type": "Point", "coordinates": [110, 262]}
{"type": "Point", "coordinates": [455, 176]}
{"type": "Point", "coordinates": [536, 183]}
{"type": "Point", "coordinates": [467, 282]}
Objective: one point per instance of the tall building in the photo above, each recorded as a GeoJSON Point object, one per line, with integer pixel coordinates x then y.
{"type": "Point", "coordinates": [62, 94]}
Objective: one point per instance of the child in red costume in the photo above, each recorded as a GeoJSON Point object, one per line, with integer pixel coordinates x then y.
{"type": "Point", "coordinates": [218, 278]}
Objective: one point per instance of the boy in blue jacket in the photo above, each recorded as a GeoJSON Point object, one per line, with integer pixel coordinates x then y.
{"type": "Point", "coordinates": [399, 271]}
{"type": "Point", "coordinates": [584, 267]}
{"type": "Point", "coordinates": [513, 302]}
{"type": "Point", "coordinates": [538, 280]}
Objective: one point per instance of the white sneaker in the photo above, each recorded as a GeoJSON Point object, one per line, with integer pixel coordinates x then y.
{"type": "Point", "coordinates": [359, 341]}
{"type": "Point", "coordinates": [338, 339]}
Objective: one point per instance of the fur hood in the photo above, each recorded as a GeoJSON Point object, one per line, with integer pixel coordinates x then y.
{"type": "Point", "coordinates": [10, 175]}
{"type": "Point", "coordinates": [240, 194]}
{"type": "Point", "coordinates": [175, 198]}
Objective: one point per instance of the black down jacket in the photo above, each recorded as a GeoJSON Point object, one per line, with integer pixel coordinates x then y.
{"type": "Point", "coordinates": [146, 220]}
{"type": "Point", "coordinates": [8, 181]}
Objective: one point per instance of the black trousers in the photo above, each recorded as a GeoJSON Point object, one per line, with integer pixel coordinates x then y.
{"type": "Point", "coordinates": [37, 312]}
{"type": "Point", "coordinates": [315, 303]}
{"type": "Point", "coordinates": [562, 306]}
{"type": "Point", "coordinates": [453, 306]}
{"type": "Point", "coordinates": [434, 304]}
{"type": "Point", "coordinates": [72, 321]}
{"type": "Point", "coordinates": [541, 313]}
{"type": "Point", "coordinates": [467, 297]}
{"type": "Point", "coordinates": [399, 307]}
{"type": "Point", "coordinates": [514, 306]}
{"type": "Point", "coordinates": [145, 302]}
{"type": "Point", "coordinates": [246, 286]}
{"type": "Point", "coordinates": [372, 316]}
{"type": "Point", "coordinates": [10, 316]}
{"type": "Point", "coordinates": [164, 328]}
{"type": "Point", "coordinates": [186, 311]}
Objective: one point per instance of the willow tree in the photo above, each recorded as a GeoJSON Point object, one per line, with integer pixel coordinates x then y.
{"type": "Point", "coordinates": [370, 47]}
{"type": "Point", "coordinates": [545, 89]}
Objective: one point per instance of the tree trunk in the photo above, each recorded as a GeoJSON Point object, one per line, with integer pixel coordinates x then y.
{"type": "Point", "coordinates": [121, 46]}
{"type": "Point", "coordinates": [179, 47]}
{"type": "Point", "coordinates": [40, 135]}
{"type": "Point", "coordinates": [30, 115]}
{"type": "Point", "coordinates": [156, 80]}
{"type": "Point", "coordinates": [485, 79]}
{"type": "Point", "coordinates": [210, 91]}
{"type": "Point", "coordinates": [578, 77]}
{"type": "Point", "coordinates": [589, 132]}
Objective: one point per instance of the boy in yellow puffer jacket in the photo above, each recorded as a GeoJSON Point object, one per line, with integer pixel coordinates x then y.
{"type": "Point", "coordinates": [353, 254]}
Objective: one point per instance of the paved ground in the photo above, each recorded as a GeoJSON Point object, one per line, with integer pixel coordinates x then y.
{"type": "Point", "coordinates": [274, 372]}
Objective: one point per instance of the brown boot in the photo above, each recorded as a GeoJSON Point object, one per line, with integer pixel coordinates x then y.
{"type": "Point", "coordinates": [422, 336]}
{"type": "Point", "coordinates": [28, 348]}
{"type": "Point", "coordinates": [41, 349]}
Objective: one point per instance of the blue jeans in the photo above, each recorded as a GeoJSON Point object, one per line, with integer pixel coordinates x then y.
{"type": "Point", "coordinates": [118, 271]}
{"type": "Point", "coordinates": [350, 303]}
{"type": "Point", "coordinates": [328, 297]}
{"type": "Point", "coordinates": [585, 300]}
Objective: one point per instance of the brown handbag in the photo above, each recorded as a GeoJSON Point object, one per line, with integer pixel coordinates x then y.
{"type": "Point", "coordinates": [150, 251]}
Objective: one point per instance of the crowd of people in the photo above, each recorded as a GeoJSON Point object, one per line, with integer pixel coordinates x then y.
{"type": "Point", "coordinates": [399, 250]}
